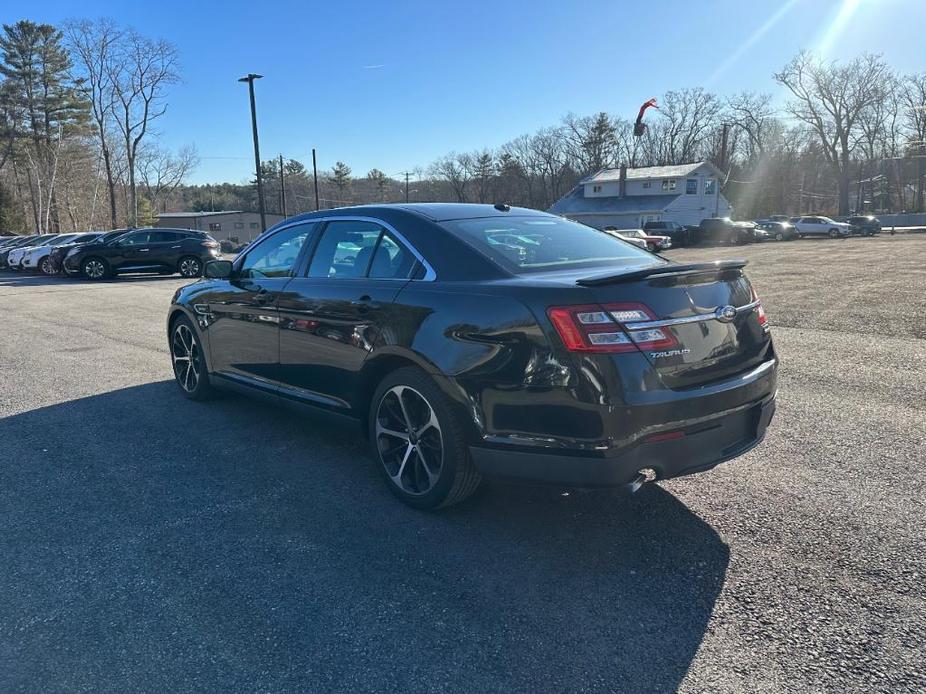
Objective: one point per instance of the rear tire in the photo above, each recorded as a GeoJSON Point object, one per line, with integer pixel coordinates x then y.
{"type": "Point", "coordinates": [45, 266]}
{"type": "Point", "coordinates": [419, 442]}
{"type": "Point", "coordinates": [95, 269]}
{"type": "Point", "coordinates": [186, 353]}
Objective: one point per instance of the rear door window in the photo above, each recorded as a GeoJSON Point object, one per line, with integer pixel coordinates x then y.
{"type": "Point", "coordinates": [345, 249]}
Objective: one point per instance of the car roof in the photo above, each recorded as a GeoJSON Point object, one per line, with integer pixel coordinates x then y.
{"type": "Point", "coordinates": [433, 211]}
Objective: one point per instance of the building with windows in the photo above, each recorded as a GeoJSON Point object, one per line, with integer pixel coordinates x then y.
{"type": "Point", "coordinates": [234, 225]}
{"type": "Point", "coordinates": [628, 198]}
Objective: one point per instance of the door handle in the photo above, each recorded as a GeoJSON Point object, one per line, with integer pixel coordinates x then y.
{"type": "Point", "coordinates": [175, 246]}
{"type": "Point", "coordinates": [365, 302]}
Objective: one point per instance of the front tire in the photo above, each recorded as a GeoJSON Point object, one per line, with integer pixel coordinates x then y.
{"type": "Point", "coordinates": [95, 269]}
{"type": "Point", "coordinates": [834, 233]}
{"type": "Point", "coordinates": [45, 266]}
{"type": "Point", "coordinates": [419, 442]}
{"type": "Point", "coordinates": [190, 267]}
{"type": "Point", "coordinates": [189, 363]}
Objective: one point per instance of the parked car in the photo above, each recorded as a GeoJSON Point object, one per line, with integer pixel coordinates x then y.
{"type": "Point", "coordinates": [653, 242]}
{"type": "Point", "coordinates": [164, 251]}
{"type": "Point", "coordinates": [618, 233]}
{"type": "Point", "coordinates": [815, 225]}
{"type": "Point", "coordinates": [561, 360]}
{"type": "Point", "coordinates": [723, 230]}
{"type": "Point", "coordinates": [41, 258]}
{"type": "Point", "coordinates": [680, 235]}
{"type": "Point", "coordinates": [780, 231]}
{"type": "Point", "coordinates": [23, 258]}
{"type": "Point", "coordinates": [56, 257]}
{"type": "Point", "coordinates": [864, 225]}
{"type": "Point", "coordinates": [779, 218]}
{"type": "Point", "coordinates": [10, 246]}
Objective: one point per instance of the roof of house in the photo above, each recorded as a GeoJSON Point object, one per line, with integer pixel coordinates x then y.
{"type": "Point", "coordinates": [184, 215]}
{"type": "Point", "coordinates": [576, 203]}
{"type": "Point", "coordinates": [677, 171]}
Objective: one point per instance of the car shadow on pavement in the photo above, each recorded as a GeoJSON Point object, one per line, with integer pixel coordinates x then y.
{"type": "Point", "coordinates": [155, 543]}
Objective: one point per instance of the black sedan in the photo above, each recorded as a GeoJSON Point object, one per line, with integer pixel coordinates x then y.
{"type": "Point", "coordinates": [779, 231]}
{"type": "Point", "coordinates": [477, 340]}
{"type": "Point", "coordinates": [865, 225]}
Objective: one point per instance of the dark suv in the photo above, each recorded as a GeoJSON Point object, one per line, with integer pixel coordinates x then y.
{"type": "Point", "coordinates": [680, 235]}
{"type": "Point", "coordinates": [722, 230]}
{"type": "Point", "coordinates": [164, 251]}
{"type": "Point", "coordinates": [866, 225]}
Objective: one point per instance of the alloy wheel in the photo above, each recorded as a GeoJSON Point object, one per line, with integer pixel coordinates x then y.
{"type": "Point", "coordinates": [94, 269]}
{"type": "Point", "coordinates": [45, 266]}
{"type": "Point", "coordinates": [409, 440]}
{"type": "Point", "coordinates": [185, 352]}
{"type": "Point", "coordinates": [189, 267]}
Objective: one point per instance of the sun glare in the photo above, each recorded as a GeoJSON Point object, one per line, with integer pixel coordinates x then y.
{"type": "Point", "coordinates": [836, 27]}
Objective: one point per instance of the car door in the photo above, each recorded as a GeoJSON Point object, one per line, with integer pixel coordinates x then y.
{"type": "Point", "coordinates": [131, 251]}
{"type": "Point", "coordinates": [164, 249]}
{"type": "Point", "coordinates": [244, 341]}
{"type": "Point", "coordinates": [338, 312]}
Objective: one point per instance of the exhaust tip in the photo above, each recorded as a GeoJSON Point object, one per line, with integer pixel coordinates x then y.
{"type": "Point", "coordinates": [643, 476]}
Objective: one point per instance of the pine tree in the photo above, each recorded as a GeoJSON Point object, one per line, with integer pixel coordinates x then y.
{"type": "Point", "coordinates": [147, 217]}
{"type": "Point", "coordinates": [46, 105]}
{"type": "Point", "coordinates": [379, 180]}
{"type": "Point", "coordinates": [341, 179]}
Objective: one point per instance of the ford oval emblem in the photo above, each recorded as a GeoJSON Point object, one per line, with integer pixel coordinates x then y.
{"type": "Point", "coordinates": [725, 314]}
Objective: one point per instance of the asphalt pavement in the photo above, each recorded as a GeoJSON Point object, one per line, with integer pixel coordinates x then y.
{"type": "Point", "coordinates": [150, 543]}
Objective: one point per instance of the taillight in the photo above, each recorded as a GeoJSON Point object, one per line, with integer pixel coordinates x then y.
{"type": "Point", "coordinates": [760, 312]}
{"type": "Point", "coordinates": [602, 328]}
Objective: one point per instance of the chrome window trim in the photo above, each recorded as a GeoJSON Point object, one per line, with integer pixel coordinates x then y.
{"type": "Point", "coordinates": [429, 274]}
{"type": "Point", "coordinates": [700, 318]}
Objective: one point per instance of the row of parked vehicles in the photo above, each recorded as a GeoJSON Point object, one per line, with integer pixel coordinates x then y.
{"type": "Point", "coordinates": [723, 230]}
{"type": "Point", "coordinates": [98, 255]}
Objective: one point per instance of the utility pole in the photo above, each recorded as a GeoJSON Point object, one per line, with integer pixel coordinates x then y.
{"type": "Point", "coordinates": [315, 177]}
{"type": "Point", "coordinates": [406, 186]}
{"type": "Point", "coordinates": [249, 78]}
{"type": "Point", "coordinates": [282, 189]}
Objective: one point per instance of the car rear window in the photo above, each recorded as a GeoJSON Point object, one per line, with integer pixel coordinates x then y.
{"type": "Point", "coordinates": [532, 244]}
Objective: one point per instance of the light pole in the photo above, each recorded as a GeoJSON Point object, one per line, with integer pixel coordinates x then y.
{"type": "Point", "coordinates": [249, 78]}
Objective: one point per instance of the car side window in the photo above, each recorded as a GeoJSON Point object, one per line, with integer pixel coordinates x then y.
{"type": "Point", "coordinates": [162, 237]}
{"type": "Point", "coordinates": [391, 260]}
{"type": "Point", "coordinates": [276, 255]}
{"type": "Point", "coordinates": [345, 249]}
{"type": "Point", "coordinates": [134, 239]}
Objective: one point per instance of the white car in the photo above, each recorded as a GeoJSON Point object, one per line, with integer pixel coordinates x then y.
{"type": "Point", "coordinates": [820, 226]}
{"type": "Point", "coordinates": [36, 257]}
{"type": "Point", "coordinates": [17, 256]}
{"type": "Point", "coordinates": [639, 243]}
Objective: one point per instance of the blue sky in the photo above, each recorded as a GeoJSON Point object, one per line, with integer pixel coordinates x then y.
{"type": "Point", "coordinates": [394, 85]}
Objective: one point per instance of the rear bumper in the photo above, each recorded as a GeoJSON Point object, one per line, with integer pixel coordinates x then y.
{"type": "Point", "coordinates": [699, 447]}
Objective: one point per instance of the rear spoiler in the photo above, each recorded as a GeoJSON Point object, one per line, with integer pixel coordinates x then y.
{"type": "Point", "coordinates": [662, 271]}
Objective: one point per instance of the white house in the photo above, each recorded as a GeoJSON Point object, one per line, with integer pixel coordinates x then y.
{"type": "Point", "coordinates": [627, 198]}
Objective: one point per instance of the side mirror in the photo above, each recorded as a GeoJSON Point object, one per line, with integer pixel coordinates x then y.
{"type": "Point", "coordinates": [219, 269]}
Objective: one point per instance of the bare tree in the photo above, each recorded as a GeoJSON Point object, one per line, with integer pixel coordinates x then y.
{"type": "Point", "coordinates": [831, 99]}
{"type": "Point", "coordinates": [94, 46]}
{"type": "Point", "coordinates": [161, 172]}
{"type": "Point", "coordinates": [141, 71]}
{"type": "Point", "coordinates": [754, 115]}
{"type": "Point", "coordinates": [455, 170]}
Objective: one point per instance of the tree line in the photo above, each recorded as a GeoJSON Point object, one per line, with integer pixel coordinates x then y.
{"type": "Point", "coordinates": [80, 149]}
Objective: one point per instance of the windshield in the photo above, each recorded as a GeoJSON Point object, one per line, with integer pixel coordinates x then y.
{"type": "Point", "coordinates": [529, 244]}
{"type": "Point", "coordinates": [632, 233]}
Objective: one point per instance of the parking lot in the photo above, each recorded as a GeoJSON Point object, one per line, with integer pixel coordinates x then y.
{"type": "Point", "coordinates": [150, 543]}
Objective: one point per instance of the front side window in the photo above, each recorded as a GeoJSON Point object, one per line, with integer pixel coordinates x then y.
{"type": "Point", "coordinates": [534, 244]}
{"type": "Point", "coordinates": [276, 256]}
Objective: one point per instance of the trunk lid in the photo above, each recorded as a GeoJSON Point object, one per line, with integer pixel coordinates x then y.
{"type": "Point", "coordinates": [707, 315]}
